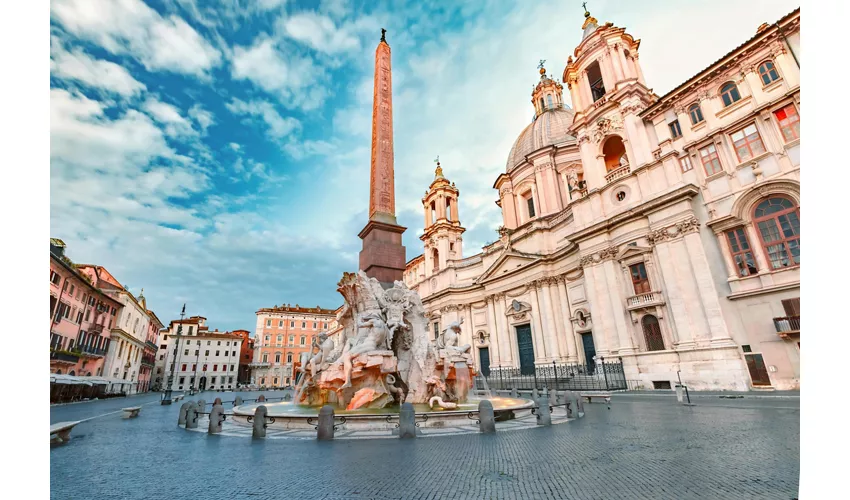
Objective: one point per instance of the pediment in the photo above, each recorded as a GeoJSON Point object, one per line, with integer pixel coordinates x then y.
{"type": "Point", "coordinates": [508, 263]}
{"type": "Point", "coordinates": [633, 251]}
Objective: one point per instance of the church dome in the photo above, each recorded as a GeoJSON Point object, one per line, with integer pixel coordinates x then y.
{"type": "Point", "coordinates": [547, 129]}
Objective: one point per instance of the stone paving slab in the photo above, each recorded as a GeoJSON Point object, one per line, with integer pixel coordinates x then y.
{"type": "Point", "coordinates": [639, 449]}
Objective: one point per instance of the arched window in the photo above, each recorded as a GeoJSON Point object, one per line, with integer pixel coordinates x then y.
{"type": "Point", "coordinates": [594, 77]}
{"type": "Point", "coordinates": [696, 114]}
{"type": "Point", "coordinates": [435, 256]}
{"type": "Point", "coordinates": [768, 73]}
{"type": "Point", "coordinates": [72, 373]}
{"type": "Point", "coordinates": [542, 106]}
{"type": "Point", "coordinates": [289, 357]}
{"type": "Point", "coordinates": [729, 93]}
{"type": "Point", "coordinates": [549, 101]}
{"type": "Point", "coordinates": [614, 151]}
{"type": "Point", "coordinates": [652, 333]}
{"type": "Point", "coordinates": [277, 357]}
{"type": "Point", "coordinates": [59, 372]}
{"type": "Point", "coordinates": [777, 220]}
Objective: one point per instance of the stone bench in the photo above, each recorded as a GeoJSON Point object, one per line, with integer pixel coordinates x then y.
{"type": "Point", "coordinates": [132, 412]}
{"type": "Point", "coordinates": [62, 430]}
{"type": "Point", "coordinates": [590, 395]}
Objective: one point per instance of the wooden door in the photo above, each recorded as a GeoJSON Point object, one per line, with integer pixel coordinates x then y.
{"type": "Point", "coordinates": [526, 349]}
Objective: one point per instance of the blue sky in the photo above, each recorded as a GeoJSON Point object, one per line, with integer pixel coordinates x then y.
{"type": "Point", "coordinates": [217, 152]}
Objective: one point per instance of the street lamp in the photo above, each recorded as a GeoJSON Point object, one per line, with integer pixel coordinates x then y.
{"type": "Point", "coordinates": [166, 397]}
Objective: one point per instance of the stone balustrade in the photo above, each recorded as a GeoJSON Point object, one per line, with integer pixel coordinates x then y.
{"type": "Point", "coordinates": [644, 299]}
{"type": "Point", "coordinates": [617, 174]}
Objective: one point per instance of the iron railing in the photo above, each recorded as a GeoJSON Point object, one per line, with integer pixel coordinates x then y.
{"type": "Point", "coordinates": [91, 351]}
{"type": "Point", "coordinates": [95, 329]}
{"type": "Point", "coordinates": [787, 324]}
{"type": "Point", "coordinates": [602, 376]}
{"type": "Point", "coordinates": [64, 356]}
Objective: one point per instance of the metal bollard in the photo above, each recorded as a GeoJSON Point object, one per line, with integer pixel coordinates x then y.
{"type": "Point", "coordinates": [192, 417]}
{"type": "Point", "coordinates": [216, 418]}
{"type": "Point", "coordinates": [181, 417]}
{"type": "Point", "coordinates": [259, 422]}
{"type": "Point", "coordinates": [542, 412]}
{"type": "Point", "coordinates": [486, 418]}
{"type": "Point", "coordinates": [326, 423]}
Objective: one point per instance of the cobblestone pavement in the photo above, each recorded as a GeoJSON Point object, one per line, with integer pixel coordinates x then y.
{"type": "Point", "coordinates": [642, 448]}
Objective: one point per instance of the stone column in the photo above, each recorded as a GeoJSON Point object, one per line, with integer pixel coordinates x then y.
{"type": "Point", "coordinates": [675, 299]}
{"type": "Point", "coordinates": [454, 210]}
{"type": "Point", "coordinates": [624, 64]}
{"type": "Point", "coordinates": [509, 208]}
{"type": "Point", "coordinates": [550, 331]}
{"type": "Point", "coordinates": [614, 53]}
{"type": "Point", "coordinates": [569, 333]}
{"type": "Point", "coordinates": [757, 248]}
{"type": "Point", "coordinates": [705, 284]}
{"type": "Point", "coordinates": [540, 348]}
{"type": "Point", "coordinates": [428, 215]}
{"type": "Point", "coordinates": [558, 317]}
{"type": "Point", "coordinates": [543, 202]}
{"type": "Point", "coordinates": [493, 331]}
{"type": "Point", "coordinates": [441, 207]}
{"type": "Point", "coordinates": [505, 330]}
{"type": "Point", "coordinates": [615, 294]}
{"type": "Point", "coordinates": [596, 311]}
{"type": "Point", "coordinates": [731, 268]}
{"type": "Point", "coordinates": [690, 292]}
{"type": "Point", "coordinates": [585, 88]}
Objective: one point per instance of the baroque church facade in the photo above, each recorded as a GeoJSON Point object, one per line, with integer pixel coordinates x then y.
{"type": "Point", "coordinates": [660, 231]}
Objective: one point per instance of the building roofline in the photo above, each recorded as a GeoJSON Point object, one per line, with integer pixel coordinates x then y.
{"type": "Point", "coordinates": [719, 62]}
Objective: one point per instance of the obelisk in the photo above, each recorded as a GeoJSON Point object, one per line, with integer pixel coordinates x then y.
{"type": "Point", "coordinates": [383, 255]}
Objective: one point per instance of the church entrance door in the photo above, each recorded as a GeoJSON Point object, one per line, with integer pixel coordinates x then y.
{"type": "Point", "coordinates": [525, 346]}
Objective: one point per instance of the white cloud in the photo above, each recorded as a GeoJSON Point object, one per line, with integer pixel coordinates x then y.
{"type": "Point", "coordinates": [105, 75]}
{"type": "Point", "coordinates": [319, 32]}
{"type": "Point", "coordinates": [278, 127]}
{"type": "Point", "coordinates": [131, 27]}
{"type": "Point", "coordinates": [169, 116]}
{"type": "Point", "coordinates": [202, 117]}
{"type": "Point", "coordinates": [290, 77]}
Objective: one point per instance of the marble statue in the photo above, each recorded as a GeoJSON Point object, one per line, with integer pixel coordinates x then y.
{"type": "Point", "coordinates": [373, 332]}
{"type": "Point", "coordinates": [384, 355]}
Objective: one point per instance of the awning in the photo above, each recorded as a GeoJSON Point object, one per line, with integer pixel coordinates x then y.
{"type": "Point", "coordinates": [75, 380]}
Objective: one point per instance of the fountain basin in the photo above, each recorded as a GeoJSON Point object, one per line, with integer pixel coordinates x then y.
{"type": "Point", "coordinates": [292, 416]}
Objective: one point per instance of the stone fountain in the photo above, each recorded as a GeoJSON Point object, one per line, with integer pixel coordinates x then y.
{"type": "Point", "coordinates": [384, 356]}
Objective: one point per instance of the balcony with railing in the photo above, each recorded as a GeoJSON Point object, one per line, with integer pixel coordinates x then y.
{"type": "Point", "coordinates": [150, 345]}
{"type": "Point", "coordinates": [64, 357]}
{"type": "Point", "coordinates": [259, 364]}
{"type": "Point", "coordinates": [90, 352]}
{"type": "Point", "coordinates": [95, 329]}
{"type": "Point", "coordinates": [617, 173]}
{"type": "Point", "coordinates": [644, 300]}
{"type": "Point", "coordinates": [149, 360]}
{"type": "Point", "coordinates": [787, 326]}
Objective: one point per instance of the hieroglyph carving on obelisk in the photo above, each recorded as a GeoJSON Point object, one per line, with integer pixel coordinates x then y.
{"type": "Point", "coordinates": [382, 183]}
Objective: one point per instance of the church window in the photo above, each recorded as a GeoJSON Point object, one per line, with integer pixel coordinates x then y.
{"type": "Point", "coordinates": [777, 220]}
{"type": "Point", "coordinates": [685, 163]}
{"type": "Point", "coordinates": [747, 142]}
{"type": "Point", "coordinates": [696, 114]}
{"type": "Point", "coordinates": [449, 209]}
{"type": "Point", "coordinates": [433, 212]}
{"type": "Point", "coordinates": [789, 122]}
{"type": "Point", "coordinates": [640, 281]}
{"type": "Point", "coordinates": [597, 86]}
{"type": "Point", "coordinates": [529, 200]}
{"type": "Point", "coordinates": [436, 258]}
{"type": "Point", "coordinates": [729, 93]}
{"type": "Point", "coordinates": [549, 102]}
{"type": "Point", "coordinates": [768, 73]}
{"type": "Point", "coordinates": [710, 160]}
{"type": "Point", "coordinates": [675, 129]}
{"type": "Point", "coordinates": [742, 254]}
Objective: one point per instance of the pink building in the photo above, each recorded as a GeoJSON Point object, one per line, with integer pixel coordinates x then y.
{"type": "Point", "coordinates": [81, 317]}
{"type": "Point", "coordinates": [149, 352]}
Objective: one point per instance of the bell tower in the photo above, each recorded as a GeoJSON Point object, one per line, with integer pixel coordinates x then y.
{"type": "Point", "coordinates": [442, 236]}
{"type": "Point", "coordinates": [608, 92]}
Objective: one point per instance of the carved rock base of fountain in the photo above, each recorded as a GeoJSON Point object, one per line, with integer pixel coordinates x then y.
{"type": "Point", "coordinates": [368, 382]}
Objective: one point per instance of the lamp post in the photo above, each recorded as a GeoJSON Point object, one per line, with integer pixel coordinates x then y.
{"type": "Point", "coordinates": [166, 397]}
